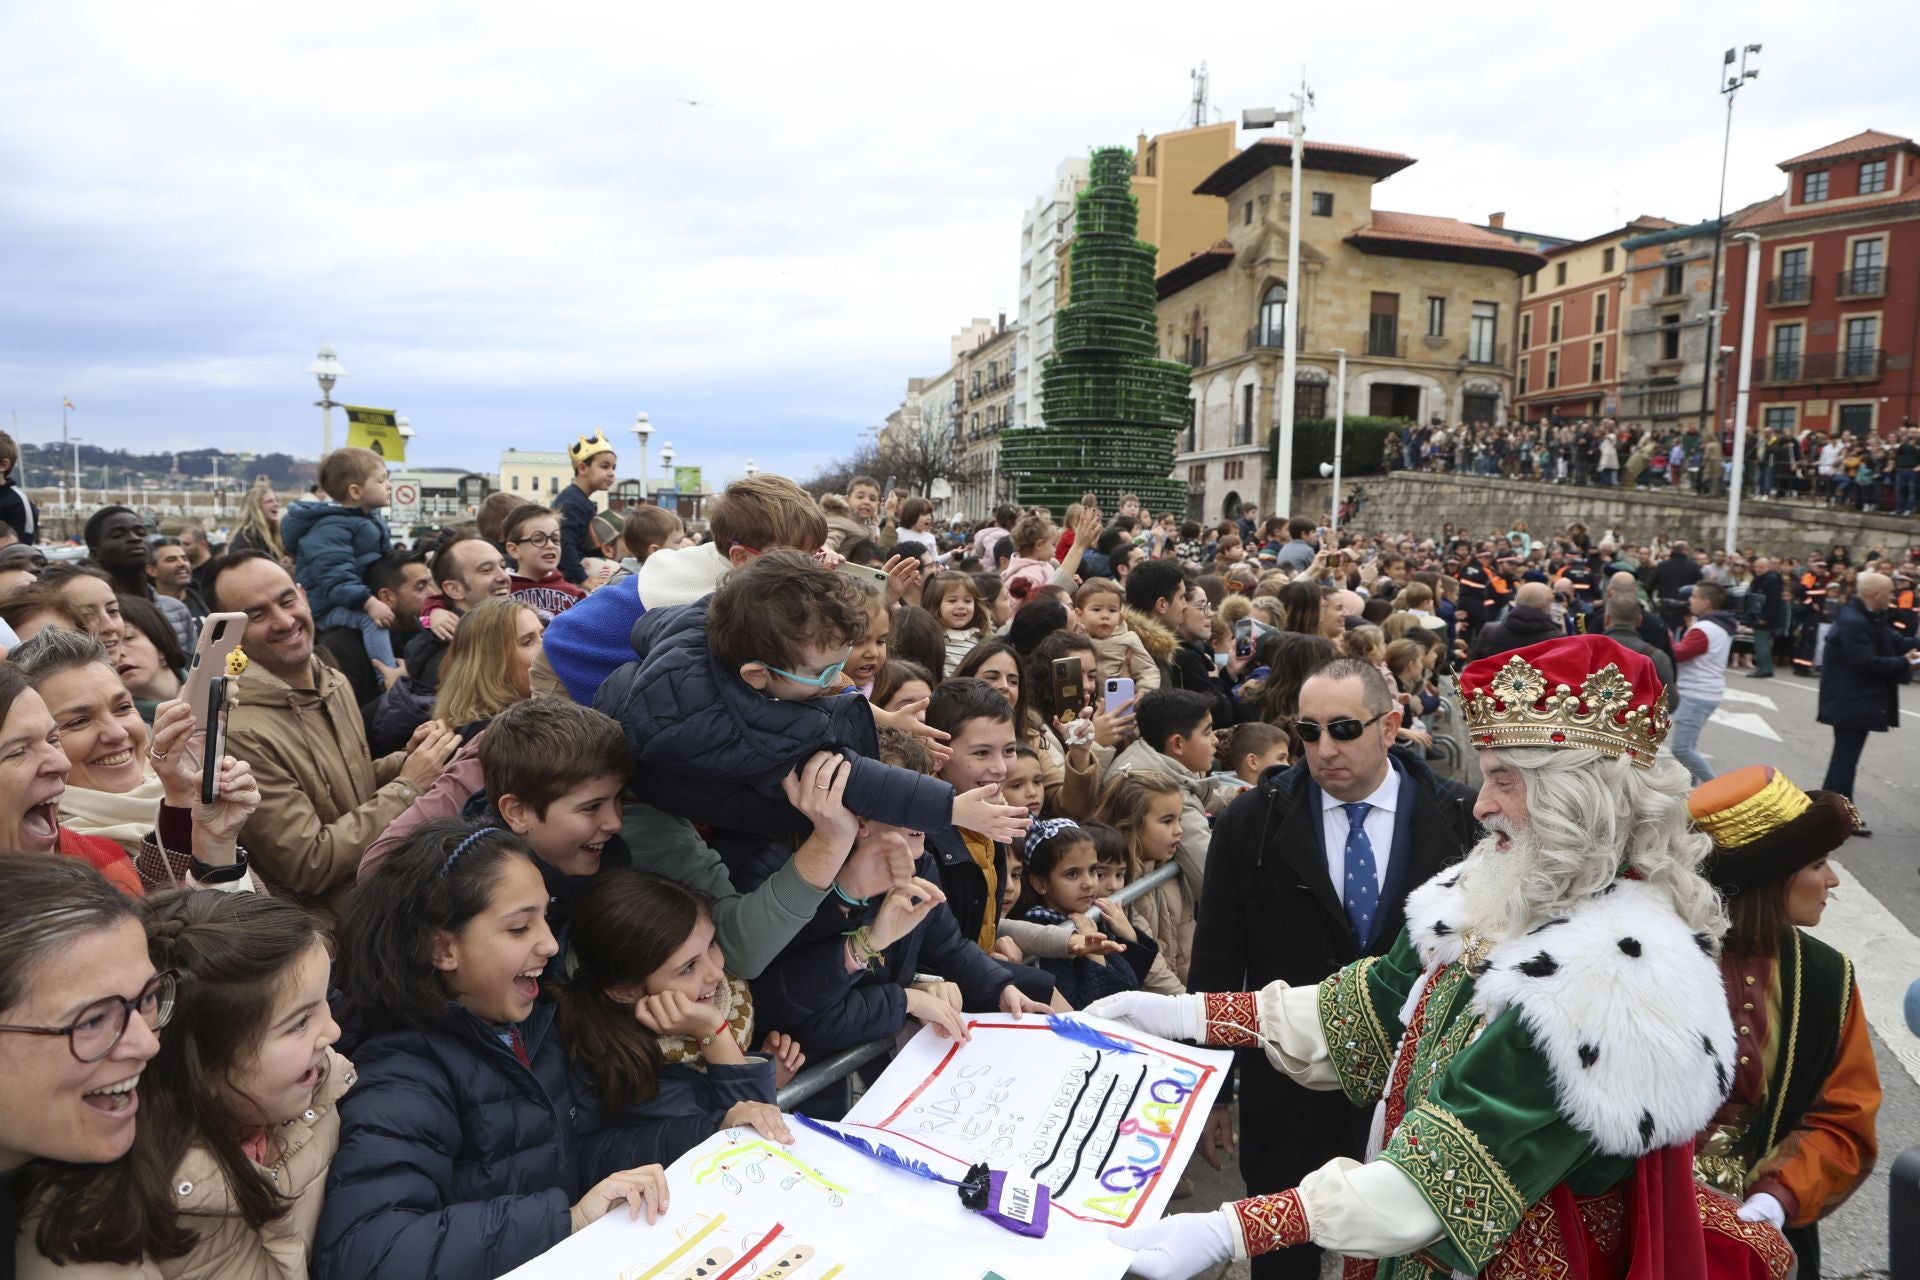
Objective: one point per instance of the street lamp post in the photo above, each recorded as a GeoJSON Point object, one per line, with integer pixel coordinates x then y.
{"type": "Point", "coordinates": [642, 431]}
{"type": "Point", "coordinates": [328, 369]}
{"type": "Point", "coordinates": [1266, 118]}
{"type": "Point", "coordinates": [1740, 402]}
{"type": "Point", "coordinates": [751, 469]}
{"type": "Point", "coordinates": [404, 426]}
{"type": "Point", "coordinates": [667, 456]}
{"type": "Point", "coordinates": [1339, 436]}
{"type": "Point", "coordinates": [1729, 89]}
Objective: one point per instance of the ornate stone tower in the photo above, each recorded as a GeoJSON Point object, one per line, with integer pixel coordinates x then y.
{"type": "Point", "coordinates": [1112, 408]}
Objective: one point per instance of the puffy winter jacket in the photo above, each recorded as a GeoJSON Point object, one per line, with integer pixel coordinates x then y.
{"type": "Point", "coordinates": [807, 992]}
{"type": "Point", "coordinates": [687, 1111]}
{"type": "Point", "coordinates": [711, 748]}
{"type": "Point", "coordinates": [332, 547]}
{"type": "Point", "coordinates": [455, 1159]}
{"type": "Point", "coordinates": [588, 642]}
{"type": "Point", "coordinates": [1083, 981]}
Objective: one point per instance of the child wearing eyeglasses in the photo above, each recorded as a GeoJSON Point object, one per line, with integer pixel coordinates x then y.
{"type": "Point", "coordinates": [238, 1112]}
{"type": "Point", "coordinates": [731, 695]}
{"type": "Point", "coordinates": [532, 535]}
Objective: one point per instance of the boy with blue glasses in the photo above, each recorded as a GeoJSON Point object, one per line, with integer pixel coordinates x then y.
{"type": "Point", "coordinates": [731, 694]}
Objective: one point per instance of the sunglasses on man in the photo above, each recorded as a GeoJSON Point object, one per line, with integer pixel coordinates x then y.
{"type": "Point", "coordinates": [1342, 730]}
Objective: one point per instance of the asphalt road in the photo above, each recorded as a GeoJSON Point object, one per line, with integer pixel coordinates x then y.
{"type": "Point", "coordinates": [1874, 916]}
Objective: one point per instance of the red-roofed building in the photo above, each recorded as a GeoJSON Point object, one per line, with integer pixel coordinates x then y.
{"type": "Point", "coordinates": [1572, 359]}
{"type": "Point", "coordinates": [1839, 259]}
{"type": "Point", "coordinates": [1422, 305]}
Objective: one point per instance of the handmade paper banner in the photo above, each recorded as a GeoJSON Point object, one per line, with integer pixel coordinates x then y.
{"type": "Point", "coordinates": [1107, 1131]}
{"type": "Point", "coordinates": [743, 1208]}
{"type": "Point", "coordinates": [1107, 1127]}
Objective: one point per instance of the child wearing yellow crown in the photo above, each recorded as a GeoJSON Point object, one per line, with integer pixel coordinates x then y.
{"type": "Point", "coordinates": [593, 467]}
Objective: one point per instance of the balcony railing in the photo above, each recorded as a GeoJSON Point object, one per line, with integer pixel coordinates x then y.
{"type": "Point", "coordinates": [1268, 337]}
{"type": "Point", "coordinates": [1789, 289]}
{"type": "Point", "coordinates": [1862, 363]}
{"type": "Point", "coordinates": [1383, 340]}
{"type": "Point", "coordinates": [1862, 282]}
{"type": "Point", "coordinates": [1485, 353]}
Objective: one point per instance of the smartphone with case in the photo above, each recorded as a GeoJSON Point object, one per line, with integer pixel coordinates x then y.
{"type": "Point", "coordinates": [220, 636]}
{"type": "Point", "coordinates": [1119, 692]}
{"type": "Point", "coordinates": [213, 714]}
{"type": "Point", "coordinates": [862, 573]}
{"type": "Point", "coordinates": [1069, 686]}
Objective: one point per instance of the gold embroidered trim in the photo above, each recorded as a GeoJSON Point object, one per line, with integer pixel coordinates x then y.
{"type": "Point", "coordinates": [1774, 805]}
{"type": "Point", "coordinates": [1357, 1043]}
{"type": "Point", "coordinates": [1476, 1202]}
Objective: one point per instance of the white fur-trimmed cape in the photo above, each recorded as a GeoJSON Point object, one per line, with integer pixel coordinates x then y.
{"type": "Point", "coordinates": [1624, 1000]}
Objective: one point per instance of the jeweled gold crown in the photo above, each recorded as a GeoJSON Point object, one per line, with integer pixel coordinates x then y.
{"type": "Point", "coordinates": [586, 446]}
{"type": "Point", "coordinates": [1583, 691]}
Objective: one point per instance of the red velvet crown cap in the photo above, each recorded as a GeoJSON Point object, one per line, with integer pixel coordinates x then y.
{"type": "Point", "coordinates": [1587, 692]}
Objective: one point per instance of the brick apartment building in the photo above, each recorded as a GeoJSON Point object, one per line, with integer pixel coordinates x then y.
{"type": "Point", "coordinates": [1839, 306]}
{"type": "Point", "coordinates": [1572, 360]}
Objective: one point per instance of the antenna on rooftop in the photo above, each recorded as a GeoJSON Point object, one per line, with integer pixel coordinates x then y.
{"type": "Point", "coordinates": [1199, 95]}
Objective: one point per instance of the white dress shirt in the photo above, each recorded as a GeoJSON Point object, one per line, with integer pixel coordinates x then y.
{"type": "Point", "coordinates": [1379, 824]}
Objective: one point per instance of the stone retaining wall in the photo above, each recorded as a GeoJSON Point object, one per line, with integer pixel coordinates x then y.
{"type": "Point", "coordinates": [1421, 504]}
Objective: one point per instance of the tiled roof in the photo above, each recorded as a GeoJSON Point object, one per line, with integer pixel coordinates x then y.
{"type": "Point", "coordinates": [1215, 258]}
{"type": "Point", "coordinates": [1333, 157]}
{"type": "Point", "coordinates": [1775, 210]}
{"type": "Point", "coordinates": [1443, 237]}
{"type": "Point", "coordinates": [1864, 141]}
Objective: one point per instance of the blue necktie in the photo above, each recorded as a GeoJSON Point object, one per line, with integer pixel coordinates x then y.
{"type": "Point", "coordinates": [1362, 890]}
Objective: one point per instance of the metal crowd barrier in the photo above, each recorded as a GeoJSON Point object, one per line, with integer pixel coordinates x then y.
{"type": "Point", "coordinates": [837, 1067]}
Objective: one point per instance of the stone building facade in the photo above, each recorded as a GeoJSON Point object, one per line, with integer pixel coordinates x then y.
{"type": "Point", "coordinates": [1423, 307]}
{"type": "Point", "coordinates": [983, 395]}
{"type": "Point", "coordinates": [1669, 381]}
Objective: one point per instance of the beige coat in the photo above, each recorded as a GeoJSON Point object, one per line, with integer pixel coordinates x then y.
{"type": "Point", "coordinates": [228, 1248]}
{"type": "Point", "coordinates": [1122, 654]}
{"type": "Point", "coordinates": [323, 798]}
{"type": "Point", "coordinates": [1169, 916]}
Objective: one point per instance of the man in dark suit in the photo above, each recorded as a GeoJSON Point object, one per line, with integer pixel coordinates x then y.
{"type": "Point", "coordinates": [1306, 873]}
{"type": "Point", "coordinates": [1859, 679]}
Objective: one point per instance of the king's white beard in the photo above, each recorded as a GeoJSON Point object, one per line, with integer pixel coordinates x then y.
{"type": "Point", "coordinates": [1495, 884]}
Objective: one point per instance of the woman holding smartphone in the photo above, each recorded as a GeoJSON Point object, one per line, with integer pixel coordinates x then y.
{"type": "Point", "coordinates": [130, 787]}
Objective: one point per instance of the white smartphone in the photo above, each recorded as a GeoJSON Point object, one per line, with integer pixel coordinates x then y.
{"type": "Point", "coordinates": [220, 635]}
{"type": "Point", "coordinates": [1118, 693]}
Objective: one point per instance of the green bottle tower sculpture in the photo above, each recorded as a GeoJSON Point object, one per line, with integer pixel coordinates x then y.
{"type": "Point", "coordinates": [1112, 407]}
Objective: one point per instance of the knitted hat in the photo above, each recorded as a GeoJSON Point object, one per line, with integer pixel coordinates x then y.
{"type": "Point", "coordinates": [1764, 828]}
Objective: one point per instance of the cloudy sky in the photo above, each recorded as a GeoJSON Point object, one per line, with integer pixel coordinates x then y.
{"type": "Point", "coordinates": [515, 227]}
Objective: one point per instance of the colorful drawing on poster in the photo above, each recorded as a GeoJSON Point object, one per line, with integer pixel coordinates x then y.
{"type": "Point", "coordinates": [1096, 1127]}
{"type": "Point", "coordinates": [749, 1161]}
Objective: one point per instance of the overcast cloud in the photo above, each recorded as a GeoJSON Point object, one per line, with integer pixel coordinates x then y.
{"type": "Point", "coordinates": [514, 229]}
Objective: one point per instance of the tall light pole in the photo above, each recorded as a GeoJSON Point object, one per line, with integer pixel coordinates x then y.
{"type": "Point", "coordinates": [1266, 118]}
{"type": "Point", "coordinates": [751, 469]}
{"type": "Point", "coordinates": [1339, 436]}
{"type": "Point", "coordinates": [1746, 386]}
{"type": "Point", "coordinates": [1731, 84]}
{"type": "Point", "coordinates": [643, 432]}
{"type": "Point", "coordinates": [404, 426]}
{"type": "Point", "coordinates": [328, 369]}
{"type": "Point", "coordinates": [667, 456]}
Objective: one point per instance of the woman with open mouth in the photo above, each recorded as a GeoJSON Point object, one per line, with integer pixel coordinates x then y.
{"type": "Point", "coordinates": [128, 792]}
{"type": "Point", "coordinates": [239, 1120]}
{"type": "Point", "coordinates": [80, 1009]}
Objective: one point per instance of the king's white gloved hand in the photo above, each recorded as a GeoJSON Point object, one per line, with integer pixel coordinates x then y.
{"type": "Point", "coordinates": [1761, 1207]}
{"type": "Point", "coordinates": [1169, 1017]}
{"type": "Point", "coordinates": [1180, 1246]}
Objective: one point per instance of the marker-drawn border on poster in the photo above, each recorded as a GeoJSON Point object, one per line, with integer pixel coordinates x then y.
{"type": "Point", "coordinates": [686, 1247]}
{"type": "Point", "coordinates": [1202, 1073]}
{"type": "Point", "coordinates": [755, 1251]}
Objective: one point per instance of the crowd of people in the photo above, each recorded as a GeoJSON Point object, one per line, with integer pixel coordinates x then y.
{"type": "Point", "coordinates": [1864, 473]}
{"type": "Point", "coordinates": [398, 910]}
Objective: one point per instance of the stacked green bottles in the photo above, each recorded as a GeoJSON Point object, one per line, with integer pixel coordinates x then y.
{"type": "Point", "coordinates": [1113, 409]}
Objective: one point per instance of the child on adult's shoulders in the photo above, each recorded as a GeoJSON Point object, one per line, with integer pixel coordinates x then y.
{"type": "Point", "coordinates": [729, 695]}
